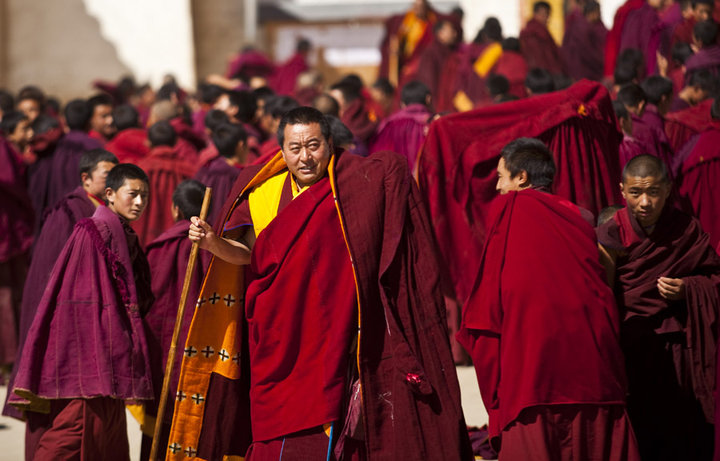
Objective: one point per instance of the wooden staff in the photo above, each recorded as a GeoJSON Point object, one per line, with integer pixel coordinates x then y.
{"type": "Point", "coordinates": [176, 333]}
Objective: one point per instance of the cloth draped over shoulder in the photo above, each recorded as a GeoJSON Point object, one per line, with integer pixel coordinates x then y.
{"type": "Point", "coordinates": [457, 167]}
{"type": "Point", "coordinates": [405, 365]}
{"type": "Point", "coordinates": [16, 212]}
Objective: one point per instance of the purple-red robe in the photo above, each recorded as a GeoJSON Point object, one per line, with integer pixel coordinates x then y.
{"type": "Point", "coordinates": [682, 125]}
{"type": "Point", "coordinates": [403, 132]}
{"type": "Point", "coordinates": [539, 48]}
{"type": "Point", "coordinates": [359, 120]}
{"type": "Point", "coordinates": [649, 131]}
{"type": "Point", "coordinates": [513, 67]}
{"type": "Point", "coordinates": [670, 346]}
{"type": "Point", "coordinates": [614, 37]}
{"type": "Point", "coordinates": [65, 173]}
{"type": "Point", "coordinates": [407, 62]}
{"type": "Point", "coordinates": [638, 32]}
{"type": "Point", "coordinates": [542, 326]}
{"type": "Point", "coordinates": [129, 145]}
{"type": "Point", "coordinates": [221, 176]}
{"type": "Point", "coordinates": [629, 148]}
{"type": "Point", "coordinates": [583, 48]}
{"type": "Point", "coordinates": [284, 79]}
{"type": "Point", "coordinates": [38, 173]}
{"type": "Point", "coordinates": [438, 69]}
{"type": "Point", "coordinates": [706, 58]}
{"type": "Point", "coordinates": [87, 339]}
{"type": "Point", "coordinates": [57, 228]}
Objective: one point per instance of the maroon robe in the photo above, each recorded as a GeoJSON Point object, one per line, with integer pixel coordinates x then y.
{"type": "Point", "coordinates": [670, 346]}
{"type": "Point", "coordinates": [614, 37]}
{"type": "Point", "coordinates": [513, 67]}
{"type": "Point", "coordinates": [129, 145]}
{"type": "Point", "coordinates": [221, 176]}
{"type": "Point", "coordinates": [251, 63]}
{"type": "Point", "coordinates": [66, 165]}
{"type": "Point", "coordinates": [438, 70]}
{"type": "Point", "coordinates": [16, 229]}
{"type": "Point", "coordinates": [58, 227]}
{"type": "Point", "coordinates": [457, 167]}
{"type": "Point", "coordinates": [697, 182]}
{"type": "Point", "coordinates": [649, 131]}
{"type": "Point", "coordinates": [186, 133]}
{"type": "Point", "coordinates": [680, 126]}
{"type": "Point", "coordinates": [358, 119]}
{"type": "Point", "coordinates": [583, 48]}
{"type": "Point", "coordinates": [403, 132]}
{"type": "Point", "coordinates": [630, 148]}
{"type": "Point", "coordinates": [683, 32]}
{"type": "Point", "coordinates": [638, 33]}
{"type": "Point", "coordinates": [87, 339]}
{"type": "Point", "coordinates": [541, 323]}
{"type": "Point", "coordinates": [407, 65]}
{"type": "Point", "coordinates": [165, 170]}
{"type": "Point", "coordinates": [404, 359]}
{"type": "Point", "coordinates": [539, 48]}
{"type": "Point", "coordinates": [284, 79]}
{"type": "Point", "coordinates": [39, 172]}
{"type": "Point", "coordinates": [706, 58]}
{"type": "Point", "coordinates": [168, 257]}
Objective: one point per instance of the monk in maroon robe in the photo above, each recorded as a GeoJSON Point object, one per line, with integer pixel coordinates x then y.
{"type": "Point", "coordinates": [630, 147]}
{"type": "Point", "coordinates": [404, 132]}
{"type": "Point", "coordinates": [168, 257]}
{"type": "Point", "coordinates": [250, 63]}
{"type": "Point", "coordinates": [354, 112]}
{"type": "Point", "coordinates": [695, 178]}
{"type": "Point", "coordinates": [284, 80]}
{"type": "Point", "coordinates": [542, 326]}
{"type": "Point", "coordinates": [130, 143]}
{"type": "Point", "coordinates": [536, 43]}
{"type": "Point", "coordinates": [47, 132]}
{"type": "Point", "coordinates": [57, 227]}
{"type": "Point", "coordinates": [682, 125]}
{"type": "Point", "coordinates": [638, 31]}
{"type": "Point", "coordinates": [439, 65]}
{"type": "Point", "coordinates": [584, 44]}
{"type": "Point", "coordinates": [513, 66]}
{"type": "Point", "coordinates": [221, 172]}
{"type": "Point", "coordinates": [666, 278]}
{"type": "Point", "coordinates": [86, 351]}
{"type": "Point", "coordinates": [359, 224]}
{"type": "Point", "coordinates": [165, 170]}
{"type": "Point", "coordinates": [101, 118]}
{"type": "Point", "coordinates": [705, 35]}
{"type": "Point", "coordinates": [16, 227]}
{"type": "Point", "coordinates": [70, 148]}
{"type": "Point", "coordinates": [612, 45]}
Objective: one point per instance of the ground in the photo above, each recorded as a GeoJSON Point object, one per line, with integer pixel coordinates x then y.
{"type": "Point", "coordinates": [12, 432]}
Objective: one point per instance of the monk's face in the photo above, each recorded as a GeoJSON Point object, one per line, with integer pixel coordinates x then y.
{"type": "Point", "coordinates": [130, 200]}
{"type": "Point", "coordinates": [29, 107]}
{"type": "Point", "coordinates": [506, 183]}
{"type": "Point", "coordinates": [94, 182]}
{"type": "Point", "coordinates": [420, 8]}
{"type": "Point", "coordinates": [702, 12]}
{"type": "Point", "coordinates": [306, 152]}
{"type": "Point", "coordinates": [645, 197]}
{"type": "Point", "coordinates": [102, 120]}
{"type": "Point", "coordinates": [22, 135]}
{"type": "Point", "coordinates": [542, 15]}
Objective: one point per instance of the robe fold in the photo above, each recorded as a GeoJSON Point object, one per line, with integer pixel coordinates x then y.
{"type": "Point", "coordinates": [284, 79]}
{"type": "Point", "coordinates": [58, 226]}
{"type": "Point", "coordinates": [65, 172]}
{"type": "Point", "coordinates": [669, 346]}
{"type": "Point", "coordinates": [682, 125]}
{"type": "Point", "coordinates": [541, 323]}
{"type": "Point", "coordinates": [630, 148]}
{"type": "Point", "coordinates": [513, 67]}
{"type": "Point", "coordinates": [359, 120]}
{"type": "Point", "coordinates": [706, 58]}
{"type": "Point", "coordinates": [614, 37]}
{"type": "Point", "coordinates": [165, 170]}
{"type": "Point", "coordinates": [221, 176]}
{"type": "Point", "coordinates": [539, 48]}
{"type": "Point", "coordinates": [697, 181]}
{"type": "Point", "coordinates": [438, 69]}
{"type": "Point", "coordinates": [649, 131]}
{"type": "Point", "coordinates": [39, 172]}
{"type": "Point", "coordinates": [168, 257]}
{"type": "Point", "coordinates": [403, 132]}
{"type": "Point", "coordinates": [583, 47]}
{"type": "Point", "coordinates": [87, 339]}
{"type": "Point", "coordinates": [457, 167]}
{"type": "Point", "coordinates": [130, 145]}
{"type": "Point", "coordinates": [406, 371]}
{"type": "Point", "coordinates": [638, 32]}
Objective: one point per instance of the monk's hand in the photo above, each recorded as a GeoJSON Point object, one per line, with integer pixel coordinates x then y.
{"type": "Point", "coordinates": [672, 289]}
{"type": "Point", "coordinates": [201, 232]}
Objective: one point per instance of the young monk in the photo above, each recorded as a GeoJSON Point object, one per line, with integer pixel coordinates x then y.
{"type": "Point", "coordinates": [541, 324]}
{"type": "Point", "coordinates": [665, 275]}
{"type": "Point", "coordinates": [86, 351]}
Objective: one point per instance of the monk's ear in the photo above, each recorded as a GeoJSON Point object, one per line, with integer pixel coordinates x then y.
{"type": "Point", "coordinates": [622, 189]}
{"type": "Point", "coordinates": [523, 180]}
{"type": "Point", "coordinates": [109, 195]}
{"type": "Point", "coordinates": [84, 177]}
{"type": "Point", "coordinates": [641, 107]}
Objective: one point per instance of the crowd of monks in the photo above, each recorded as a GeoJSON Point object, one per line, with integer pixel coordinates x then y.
{"type": "Point", "coordinates": [544, 212]}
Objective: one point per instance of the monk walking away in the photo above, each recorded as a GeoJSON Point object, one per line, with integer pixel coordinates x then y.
{"type": "Point", "coordinates": [86, 352]}
{"type": "Point", "coordinates": [294, 353]}
{"type": "Point", "coordinates": [666, 276]}
{"type": "Point", "coordinates": [542, 326]}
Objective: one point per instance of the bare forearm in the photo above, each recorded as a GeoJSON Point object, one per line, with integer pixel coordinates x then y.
{"type": "Point", "coordinates": [229, 250]}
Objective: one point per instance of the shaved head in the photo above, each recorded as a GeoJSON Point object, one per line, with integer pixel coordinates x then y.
{"type": "Point", "coordinates": [644, 166]}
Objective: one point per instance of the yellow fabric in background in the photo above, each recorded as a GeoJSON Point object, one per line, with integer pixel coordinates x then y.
{"type": "Point", "coordinates": [486, 61]}
{"type": "Point", "coordinates": [412, 30]}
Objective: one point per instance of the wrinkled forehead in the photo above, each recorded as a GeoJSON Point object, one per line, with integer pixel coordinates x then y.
{"type": "Point", "coordinates": [301, 132]}
{"type": "Point", "coordinates": [643, 182]}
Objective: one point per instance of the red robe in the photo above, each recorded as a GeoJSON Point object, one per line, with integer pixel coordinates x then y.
{"type": "Point", "coordinates": [539, 48]}
{"type": "Point", "coordinates": [541, 323]}
{"type": "Point", "coordinates": [513, 66]}
{"type": "Point", "coordinates": [403, 350]}
{"type": "Point", "coordinates": [612, 46]}
{"type": "Point", "coordinates": [221, 176]}
{"type": "Point", "coordinates": [165, 171]}
{"type": "Point", "coordinates": [649, 131]}
{"type": "Point", "coordinates": [670, 346]}
{"type": "Point", "coordinates": [697, 182]}
{"type": "Point", "coordinates": [457, 171]}
{"type": "Point", "coordinates": [403, 132]}
{"type": "Point", "coordinates": [193, 142]}
{"type": "Point", "coordinates": [438, 69]}
{"type": "Point", "coordinates": [582, 48]}
{"type": "Point", "coordinates": [680, 126]}
{"type": "Point", "coordinates": [359, 120]}
{"type": "Point", "coordinates": [129, 145]}
{"type": "Point", "coordinates": [284, 79]}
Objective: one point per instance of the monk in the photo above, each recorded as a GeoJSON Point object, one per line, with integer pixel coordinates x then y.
{"type": "Point", "coordinates": [539, 81]}
{"type": "Point", "coordinates": [213, 119]}
{"type": "Point", "coordinates": [512, 65]}
{"type": "Point", "coordinates": [612, 45]}
{"type": "Point", "coordinates": [630, 147]}
{"type": "Point", "coordinates": [31, 102]}
{"type": "Point", "coordinates": [86, 351]}
{"type": "Point", "coordinates": [46, 134]}
{"type": "Point", "coordinates": [696, 167]}
{"type": "Point", "coordinates": [364, 360]}
{"type": "Point", "coordinates": [404, 132]}
{"type": "Point", "coordinates": [406, 36]}
{"type": "Point", "coordinates": [682, 125]}
{"type": "Point", "coordinates": [221, 172]}
{"type": "Point", "coordinates": [700, 85]}
{"type": "Point", "coordinates": [70, 148]}
{"type": "Point", "coordinates": [101, 119]}
{"type": "Point", "coordinates": [439, 65]}
{"type": "Point", "coordinates": [130, 143]}
{"type": "Point", "coordinates": [638, 31]}
{"type": "Point", "coordinates": [658, 94]}
{"type": "Point", "coordinates": [16, 129]}
{"type": "Point", "coordinates": [275, 108]}
{"type": "Point", "coordinates": [536, 43]}
{"type": "Point", "coordinates": [545, 341]}
{"type": "Point", "coordinates": [241, 107]}
{"type": "Point", "coordinates": [168, 258]}
{"type": "Point", "coordinates": [284, 79]}
{"type": "Point", "coordinates": [354, 112]}
{"type": "Point", "coordinates": [707, 56]}
{"type": "Point", "coordinates": [584, 44]}
{"type": "Point", "coordinates": [165, 170]}
{"type": "Point", "coordinates": [693, 12]}
{"type": "Point", "coordinates": [666, 277]}
{"type": "Point", "coordinates": [56, 229]}
{"type": "Point", "coordinates": [383, 92]}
